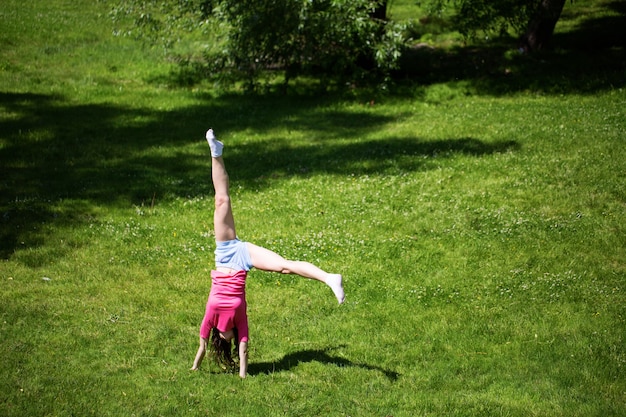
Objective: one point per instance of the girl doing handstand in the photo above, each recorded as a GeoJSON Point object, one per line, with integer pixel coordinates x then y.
{"type": "Point", "coordinates": [225, 318]}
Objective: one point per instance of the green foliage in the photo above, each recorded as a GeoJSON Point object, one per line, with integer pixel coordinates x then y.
{"type": "Point", "coordinates": [499, 17]}
{"type": "Point", "coordinates": [330, 40]}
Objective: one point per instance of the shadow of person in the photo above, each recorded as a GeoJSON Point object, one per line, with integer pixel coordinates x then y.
{"type": "Point", "coordinates": [292, 360]}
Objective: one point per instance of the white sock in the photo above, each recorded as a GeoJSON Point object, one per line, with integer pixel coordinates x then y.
{"type": "Point", "coordinates": [335, 282]}
{"type": "Point", "coordinates": [215, 145]}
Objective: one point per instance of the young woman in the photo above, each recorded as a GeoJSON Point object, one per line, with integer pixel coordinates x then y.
{"type": "Point", "coordinates": [226, 319]}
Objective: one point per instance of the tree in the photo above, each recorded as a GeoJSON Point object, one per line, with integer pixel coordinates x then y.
{"type": "Point", "coordinates": [541, 26]}
{"type": "Point", "coordinates": [328, 39]}
{"type": "Point", "coordinates": [532, 20]}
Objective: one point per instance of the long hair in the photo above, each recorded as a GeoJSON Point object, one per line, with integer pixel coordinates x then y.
{"type": "Point", "coordinates": [223, 350]}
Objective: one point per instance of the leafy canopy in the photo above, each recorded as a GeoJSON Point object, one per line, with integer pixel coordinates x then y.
{"type": "Point", "coordinates": [488, 16]}
{"type": "Point", "coordinates": [243, 39]}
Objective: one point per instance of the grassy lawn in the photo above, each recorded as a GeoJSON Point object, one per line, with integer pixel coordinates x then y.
{"type": "Point", "coordinates": [478, 217]}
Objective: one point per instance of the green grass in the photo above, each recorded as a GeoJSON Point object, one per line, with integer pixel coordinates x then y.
{"type": "Point", "coordinates": [479, 224]}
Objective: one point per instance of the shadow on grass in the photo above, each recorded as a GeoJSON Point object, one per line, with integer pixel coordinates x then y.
{"type": "Point", "coordinates": [59, 163]}
{"type": "Point", "coordinates": [323, 356]}
{"type": "Point", "coordinates": [391, 156]}
{"type": "Point", "coordinates": [588, 59]}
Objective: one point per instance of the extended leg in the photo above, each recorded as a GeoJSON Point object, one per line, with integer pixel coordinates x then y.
{"type": "Point", "coordinates": [267, 260]}
{"type": "Point", "coordinates": [223, 220]}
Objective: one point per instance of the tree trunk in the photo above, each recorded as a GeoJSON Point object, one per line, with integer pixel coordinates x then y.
{"type": "Point", "coordinates": [541, 26]}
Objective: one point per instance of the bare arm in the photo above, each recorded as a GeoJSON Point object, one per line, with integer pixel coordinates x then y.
{"type": "Point", "coordinates": [243, 359]}
{"type": "Point", "coordinates": [200, 355]}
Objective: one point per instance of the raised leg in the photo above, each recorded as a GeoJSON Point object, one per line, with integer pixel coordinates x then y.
{"type": "Point", "coordinates": [267, 260]}
{"type": "Point", "coordinates": [223, 220]}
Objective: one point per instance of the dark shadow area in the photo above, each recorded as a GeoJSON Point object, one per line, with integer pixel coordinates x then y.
{"type": "Point", "coordinates": [103, 155]}
{"type": "Point", "coordinates": [587, 60]}
{"type": "Point", "coordinates": [392, 156]}
{"type": "Point", "coordinates": [596, 34]}
{"type": "Point", "coordinates": [323, 356]}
